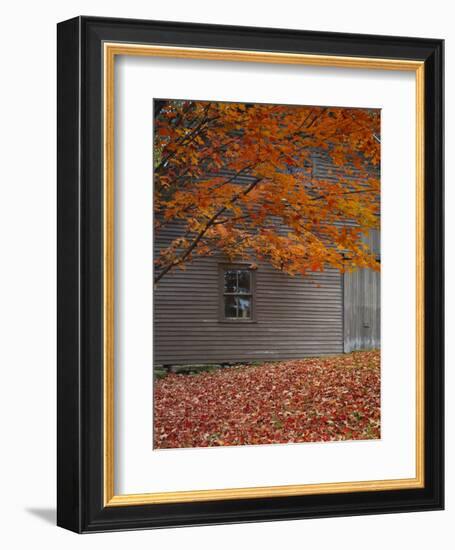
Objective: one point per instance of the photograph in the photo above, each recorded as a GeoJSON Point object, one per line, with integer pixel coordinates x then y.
{"type": "Point", "coordinates": [267, 281]}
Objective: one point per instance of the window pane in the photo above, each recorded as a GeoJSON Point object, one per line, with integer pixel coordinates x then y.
{"type": "Point", "coordinates": [237, 299]}
{"type": "Point", "coordinates": [244, 281]}
{"type": "Point", "coordinates": [244, 307]}
{"type": "Point", "coordinates": [230, 281]}
{"type": "Point", "coordinates": [230, 307]}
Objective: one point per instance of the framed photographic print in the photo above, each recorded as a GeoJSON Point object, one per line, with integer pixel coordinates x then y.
{"type": "Point", "coordinates": [250, 274]}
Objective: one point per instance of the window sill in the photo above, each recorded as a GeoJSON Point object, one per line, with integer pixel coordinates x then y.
{"type": "Point", "coordinates": [236, 321]}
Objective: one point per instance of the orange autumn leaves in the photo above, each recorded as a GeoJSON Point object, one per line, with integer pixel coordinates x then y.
{"type": "Point", "coordinates": [314, 399]}
{"type": "Point", "coordinates": [240, 179]}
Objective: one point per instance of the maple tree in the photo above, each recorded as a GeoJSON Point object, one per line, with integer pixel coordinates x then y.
{"type": "Point", "coordinates": [313, 399]}
{"type": "Point", "coordinates": [238, 178]}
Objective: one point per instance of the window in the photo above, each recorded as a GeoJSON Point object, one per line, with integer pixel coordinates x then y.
{"type": "Point", "coordinates": [237, 294]}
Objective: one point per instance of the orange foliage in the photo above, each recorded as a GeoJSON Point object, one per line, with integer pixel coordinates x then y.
{"type": "Point", "coordinates": [202, 148]}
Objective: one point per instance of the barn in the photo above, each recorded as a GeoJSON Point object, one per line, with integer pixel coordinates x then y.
{"type": "Point", "coordinates": [219, 312]}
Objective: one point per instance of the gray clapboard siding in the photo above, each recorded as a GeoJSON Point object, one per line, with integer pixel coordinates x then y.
{"type": "Point", "coordinates": [294, 318]}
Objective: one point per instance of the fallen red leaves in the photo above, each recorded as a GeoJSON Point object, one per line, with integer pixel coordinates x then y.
{"type": "Point", "coordinates": [315, 399]}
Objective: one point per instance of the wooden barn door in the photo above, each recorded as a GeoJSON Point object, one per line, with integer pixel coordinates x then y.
{"type": "Point", "coordinates": [362, 310]}
{"type": "Point", "coordinates": [362, 303]}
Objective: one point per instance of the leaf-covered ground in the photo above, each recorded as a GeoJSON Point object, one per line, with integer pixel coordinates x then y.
{"type": "Point", "coordinates": [315, 399]}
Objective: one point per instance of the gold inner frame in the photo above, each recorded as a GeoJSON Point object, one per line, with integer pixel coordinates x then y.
{"type": "Point", "coordinates": [110, 51]}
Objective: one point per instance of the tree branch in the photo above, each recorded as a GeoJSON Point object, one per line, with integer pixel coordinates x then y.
{"type": "Point", "coordinates": [192, 135]}
{"type": "Point", "coordinates": [344, 193]}
{"type": "Point", "coordinates": [204, 230]}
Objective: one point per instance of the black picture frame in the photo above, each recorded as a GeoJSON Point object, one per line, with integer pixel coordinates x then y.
{"type": "Point", "coordinates": [80, 474]}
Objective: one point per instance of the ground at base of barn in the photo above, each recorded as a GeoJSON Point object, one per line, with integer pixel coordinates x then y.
{"type": "Point", "coordinates": [314, 399]}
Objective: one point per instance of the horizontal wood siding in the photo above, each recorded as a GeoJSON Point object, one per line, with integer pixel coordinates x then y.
{"type": "Point", "coordinates": [295, 317]}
